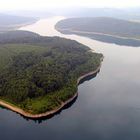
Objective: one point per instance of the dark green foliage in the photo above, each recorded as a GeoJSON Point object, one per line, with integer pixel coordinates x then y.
{"type": "Point", "coordinates": [44, 74]}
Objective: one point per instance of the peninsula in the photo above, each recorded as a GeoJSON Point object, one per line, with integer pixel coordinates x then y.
{"type": "Point", "coordinates": [39, 75]}
{"type": "Point", "coordinates": [106, 29]}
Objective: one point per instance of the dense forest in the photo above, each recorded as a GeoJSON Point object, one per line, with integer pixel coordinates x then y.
{"type": "Point", "coordinates": [38, 73]}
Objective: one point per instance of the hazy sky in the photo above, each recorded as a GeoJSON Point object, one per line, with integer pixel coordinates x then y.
{"type": "Point", "coordinates": [37, 4]}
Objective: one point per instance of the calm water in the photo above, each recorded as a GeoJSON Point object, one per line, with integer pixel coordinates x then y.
{"type": "Point", "coordinates": [107, 108]}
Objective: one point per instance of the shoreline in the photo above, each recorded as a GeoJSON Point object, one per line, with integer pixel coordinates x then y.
{"type": "Point", "coordinates": [94, 33]}
{"type": "Point", "coordinates": [105, 38]}
{"type": "Point", "coordinates": [54, 111]}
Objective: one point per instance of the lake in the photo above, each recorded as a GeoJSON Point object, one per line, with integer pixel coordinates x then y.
{"type": "Point", "coordinates": [107, 108]}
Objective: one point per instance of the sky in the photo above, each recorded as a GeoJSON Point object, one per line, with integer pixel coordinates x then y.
{"type": "Point", "coordinates": [38, 4]}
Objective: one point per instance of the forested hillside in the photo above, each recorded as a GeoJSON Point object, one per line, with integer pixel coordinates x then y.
{"type": "Point", "coordinates": [38, 73]}
{"type": "Point", "coordinates": [105, 25]}
{"type": "Point", "coordinates": [106, 29]}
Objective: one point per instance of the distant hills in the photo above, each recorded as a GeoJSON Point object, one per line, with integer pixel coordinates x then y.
{"type": "Point", "coordinates": [31, 13]}
{"type": "Point", "coordinates": [11, 22]}
{"type": "Point", "coordinates": [122, 13]}
{"type": "Point", "coordinates": [106, 29]}
{"type": "Point", "coordinates": [103, 25]}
